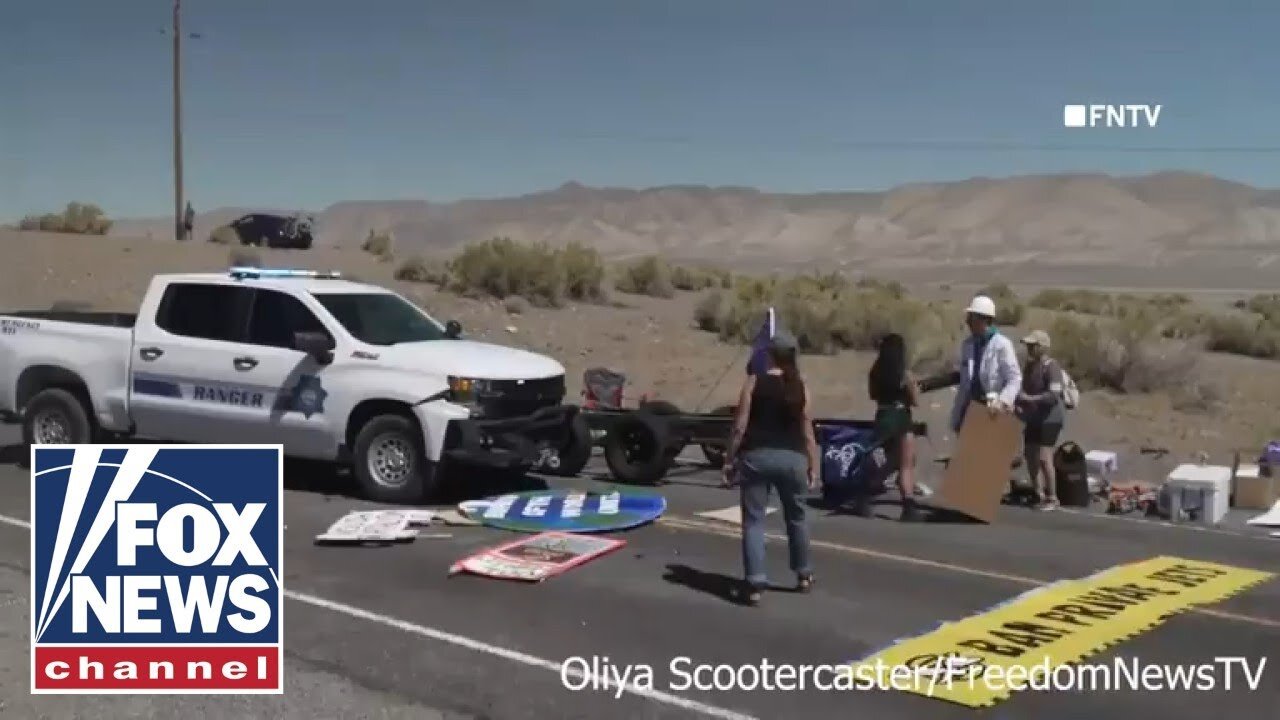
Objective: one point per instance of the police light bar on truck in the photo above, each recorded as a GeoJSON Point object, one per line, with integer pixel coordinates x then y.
{"type": "Point", "coordinates": [248, 273]}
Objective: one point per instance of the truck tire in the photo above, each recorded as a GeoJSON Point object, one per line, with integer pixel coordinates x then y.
{"type": "Point", "coordinates": [714, 453]}
{"type": "Point", "coordinates": [576, 452]}
{"type": "Point", "coordinates": [389, 463]}
{"type": "Point", "coordinates": [636, 448]}
{"type": "Point", "coordinates": [56, 417]}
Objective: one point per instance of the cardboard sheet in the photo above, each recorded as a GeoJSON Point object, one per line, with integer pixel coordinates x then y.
{"type": "Point", "coordinates": [978, 474]}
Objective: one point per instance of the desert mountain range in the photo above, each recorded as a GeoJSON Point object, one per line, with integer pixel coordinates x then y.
{"type": "Point", "coordinates": [1165, 219]}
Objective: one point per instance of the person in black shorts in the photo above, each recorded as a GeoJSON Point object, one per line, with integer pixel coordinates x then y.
{"type": "Point", "coordinates": [1041, 405]}
{"type": "Point", "coordinates": [895, 393]}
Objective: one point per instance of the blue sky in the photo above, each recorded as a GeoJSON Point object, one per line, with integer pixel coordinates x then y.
{"type": "Point", "coordinates": [300, 103]}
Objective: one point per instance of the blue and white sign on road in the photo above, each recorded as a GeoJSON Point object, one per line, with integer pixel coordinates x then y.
{"type": "Point", "coordinates": [566, 510]}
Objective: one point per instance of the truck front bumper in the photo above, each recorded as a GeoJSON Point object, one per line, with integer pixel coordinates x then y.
{"type": "Point", "coordinates": [511, 442]}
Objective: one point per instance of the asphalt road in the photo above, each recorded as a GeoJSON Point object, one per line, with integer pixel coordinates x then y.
{"type": "Point", "coordinates": [385, 633]}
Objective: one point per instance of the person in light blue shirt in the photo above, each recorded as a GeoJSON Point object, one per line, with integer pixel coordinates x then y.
{"type": "Point", "coordinates": [989, 372]}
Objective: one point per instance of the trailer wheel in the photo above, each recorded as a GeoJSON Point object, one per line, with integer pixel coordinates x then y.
{"type": "Point", "coordinates": [636, 448]}
{"type": "Point", "coordinates": [576, 452]}
{"type": "Point", "coordinates": [715, 452]}
{"type": "Point", "coordinates": [675, 444]}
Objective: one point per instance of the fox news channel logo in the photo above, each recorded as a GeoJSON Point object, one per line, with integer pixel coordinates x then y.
{"type": "Point", "coordinates": [1111, 116]}
{"type": "Point", "coordinates": [156, 569]}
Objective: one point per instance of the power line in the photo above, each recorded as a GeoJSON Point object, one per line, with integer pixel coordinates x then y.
{"type": "Point", "coordinates": [930, 145]}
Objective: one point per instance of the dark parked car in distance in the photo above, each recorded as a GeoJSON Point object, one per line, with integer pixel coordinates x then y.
{"type": "Point", "coordinates": [274, 231]}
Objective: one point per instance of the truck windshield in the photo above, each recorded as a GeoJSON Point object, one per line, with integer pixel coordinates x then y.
{"type": "Point", "coordinates": [380, 318]}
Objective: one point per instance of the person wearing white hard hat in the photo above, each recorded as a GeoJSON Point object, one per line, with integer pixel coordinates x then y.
{"type": "Point", "coordinates": [989, 372]}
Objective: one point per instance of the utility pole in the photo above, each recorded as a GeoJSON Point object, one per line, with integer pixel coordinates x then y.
{"type": "Point", "coordinates": [178, 226]}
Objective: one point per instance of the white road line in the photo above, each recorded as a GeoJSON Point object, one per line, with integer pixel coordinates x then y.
{"type": "Point", "coordinates": [596, 681]}
{"type": "Point", "coordinates": [1161, 523]}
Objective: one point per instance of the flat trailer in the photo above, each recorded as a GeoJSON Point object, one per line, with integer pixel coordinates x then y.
{"type": "Point", "coordinates": [641, 444]}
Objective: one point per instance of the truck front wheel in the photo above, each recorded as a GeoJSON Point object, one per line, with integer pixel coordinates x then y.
{"type": "Point", "coordinates": [56, 417]}
{"type": "Point", "coordinates": [389, 463]}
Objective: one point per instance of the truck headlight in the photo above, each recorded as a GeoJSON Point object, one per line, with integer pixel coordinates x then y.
{"type": "Point", "coordinates": [466, 392]}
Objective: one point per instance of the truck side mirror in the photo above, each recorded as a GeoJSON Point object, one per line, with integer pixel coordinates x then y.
{"type": "Point", "coordinates": [453, 329]}
{"type": "Point", "coordinates": [316, 344]}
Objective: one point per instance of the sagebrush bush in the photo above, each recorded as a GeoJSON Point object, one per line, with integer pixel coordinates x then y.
{"type": "Point", "coordinates": [647, 276]}
{"type": "Point", "coordinates": [224, 235]}
{"type": "Point", "coordinates": [826, 314]}
{"type": "Point", "coordinates": [379, 244]}
{"type": "Point", "coordinates": [1266, 304]}
{"type": "Point", "coordinates": [77, 217]}
{"type": "Point", "coordinates": [515, 305]}
{"type": "Point", "coordinates": [694, 279]}
{"type": "Point", "coordinates": [584, 272]}
{"type": "Point", "coordinates": [543, 275]}
{"type": "Point", "coordinates": [1125, 355]}
{"type": "Point", "coordinates": [1009, 309]}
{"type": "Point", "coordinates": [1247, 335]}
{"type": "Point", "coordinates": [1092, 302]}
{"type": "Point", "coordinates": [420, 270]}
{"type": "Point", "coordinates": [709, 310]}
{"type": "Point", "coordinates": [1088, 302]}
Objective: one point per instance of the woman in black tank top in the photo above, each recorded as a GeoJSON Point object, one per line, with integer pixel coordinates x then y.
{"type": "Point", "coordinates": [773, 447]}
{"type": "Point", "coordinates": [894, 392]}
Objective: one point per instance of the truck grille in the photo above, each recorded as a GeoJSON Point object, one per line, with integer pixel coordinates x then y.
{"type": "Point", "coordinates": [510, 398]}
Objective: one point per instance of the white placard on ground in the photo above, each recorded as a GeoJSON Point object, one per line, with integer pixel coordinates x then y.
{"type": "Point", "coordinates": [1270, 518]}
{"type": "Point", "coordinates": [370, 526]}
{"type": "Point", "coordinates": [731, 514]}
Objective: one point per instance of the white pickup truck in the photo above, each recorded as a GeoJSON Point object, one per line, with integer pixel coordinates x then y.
{"type": "Point", "coordinates": [334, 370]}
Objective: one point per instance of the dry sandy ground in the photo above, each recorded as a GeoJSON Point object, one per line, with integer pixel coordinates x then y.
{"type": "Point", "coordinates": [652, 341]}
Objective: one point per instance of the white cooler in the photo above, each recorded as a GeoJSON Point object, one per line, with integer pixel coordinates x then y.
{"type": "Point", "coordinates": [1204, 490]}
{"type": "Point", "coordinates": [1102, 463]}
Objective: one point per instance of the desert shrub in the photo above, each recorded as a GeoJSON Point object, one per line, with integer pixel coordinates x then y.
{"type": "Point", "coordinates": [244, 257]}
{"type": "Point", "coordinates": [224, 235]}
{"type": "Point", "coordinates": [1267, 305]}
{"type": "Point", "coordinates": [1234, 334]}
{"type": "Point", "coordinates": [516, 305]}
{"type": "Point", "coordinates": [501, 267]}
{"type": "Point", "coordinates": [76, 217]}
{"type": "Point", "coordinates": [723, 278]}
{"type": "Point", "coordinates": [826, 316]}
{"type": "Point", "coordinates": [543, 275]}
{"type": "Point", "coordinates": [647, 276]}
{"type": "Point", "coordinates": [380, 245]}
{"type": "Point", "coordinates": [1127, 356]}
{"type": "Point", "coordinates": [892, 288]}
{"type": "Point", "coordinates": [583, 272]}
{"type": "Point", "coordinates": [707, 314]}
{"type": "Point", "coordinates": [693, 279]}
{"type": "Point", "coordinates": [1092, 302]}
{"type": "Point", "coordinates": [1088, 302]}
{"type": "Point", "coordinates": [1009, 309]}
{"type": "Point", "coordinates": [420, 270]}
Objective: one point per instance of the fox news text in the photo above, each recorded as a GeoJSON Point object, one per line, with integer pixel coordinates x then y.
{"type": "Point", "coordinates": [156, 569]}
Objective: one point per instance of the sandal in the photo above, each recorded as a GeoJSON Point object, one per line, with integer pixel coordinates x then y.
{"type": "Point", "coordinates": [805, 583]}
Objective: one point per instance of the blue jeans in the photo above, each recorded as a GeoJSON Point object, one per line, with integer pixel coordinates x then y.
{"type": "Point", "coordinates": [761, 470]}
